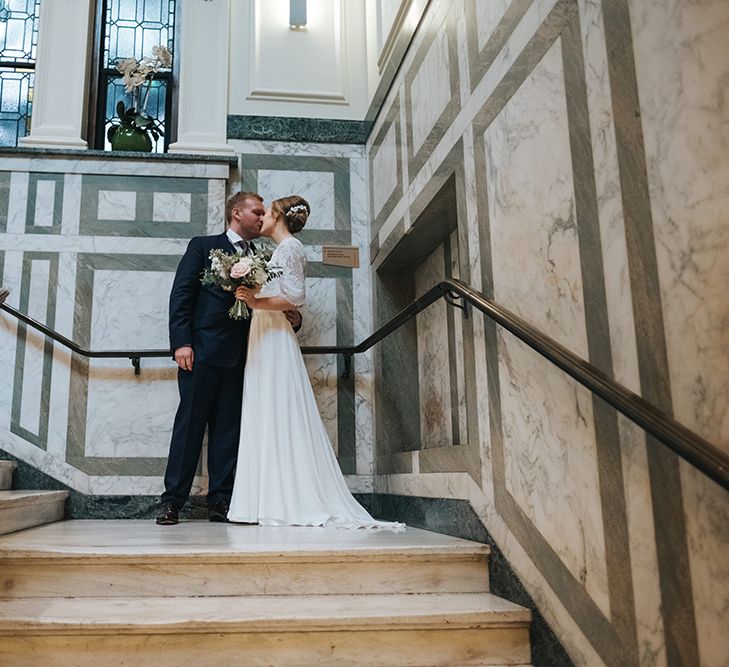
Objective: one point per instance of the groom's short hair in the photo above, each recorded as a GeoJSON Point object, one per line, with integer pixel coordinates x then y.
{"type": "Point", "coordinates": [236, 200]}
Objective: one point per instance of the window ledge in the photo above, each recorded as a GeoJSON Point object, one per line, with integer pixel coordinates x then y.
{"type": "Point", "coordinates": [231, 160]}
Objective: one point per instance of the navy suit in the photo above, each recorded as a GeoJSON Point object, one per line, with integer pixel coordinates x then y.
{"type": "Point", "coordinates": [211, 393]}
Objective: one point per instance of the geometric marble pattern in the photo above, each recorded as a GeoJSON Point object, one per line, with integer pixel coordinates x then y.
{"type": "Point", "coordinates": [93, 253]}
{"type": "Point", "coordinates": [543, 136]}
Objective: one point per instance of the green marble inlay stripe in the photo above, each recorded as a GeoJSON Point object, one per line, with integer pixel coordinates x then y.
{"type": "Point", "coordinates": [346, 431]}
{"type": "Point", "coordinates": [479, 62]}
{"type": "Point", "coordinates": [4, 200]}
{"type": "Point", "coordinates": [288, 128]}
{"type": "Point", "coordinates": [87, 264]}
{"type": "Point", "coordinates": [30, 225]}
{"type": "Point", "coordinates": [39, 439]}
{"type": "Point", "coordinates": [143, 225]}
{"type": "Point", "coordinates": [452, 355]}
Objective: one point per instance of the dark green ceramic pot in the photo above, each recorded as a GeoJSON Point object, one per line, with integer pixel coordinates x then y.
{"type": "Point", "coordinates": [128, 138]}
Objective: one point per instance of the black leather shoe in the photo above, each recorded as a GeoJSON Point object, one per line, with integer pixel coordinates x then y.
{"type": "Point", "coordinates": [168, 514]}
{"type": "Point", "coordinates": [219, 512]}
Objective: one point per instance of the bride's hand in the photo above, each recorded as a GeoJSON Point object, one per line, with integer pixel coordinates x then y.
{"type": "Point", "coordinates": [246, 294]}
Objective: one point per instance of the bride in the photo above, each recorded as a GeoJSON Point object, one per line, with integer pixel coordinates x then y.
{"type": "Point", "coordinates": [287, 474]}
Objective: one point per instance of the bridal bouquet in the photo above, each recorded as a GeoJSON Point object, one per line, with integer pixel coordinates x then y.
{"type": "Point", "coordinates": [228, 271]}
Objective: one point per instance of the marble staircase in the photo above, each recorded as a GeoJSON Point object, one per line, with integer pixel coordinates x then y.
{"type": "Point", "coordinates": [129, 592]}
{"type": "Point", "coordinates": [25, 509]}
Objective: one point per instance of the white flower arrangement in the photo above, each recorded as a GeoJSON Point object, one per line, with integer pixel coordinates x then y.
{"type": "Point", "coordinates": [229, 271]}
{"type": "Point", "coordinates": [135, 73]}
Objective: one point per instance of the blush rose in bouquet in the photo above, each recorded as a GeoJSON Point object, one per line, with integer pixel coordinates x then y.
{"type": "Point", "coordinates": [228, 271]}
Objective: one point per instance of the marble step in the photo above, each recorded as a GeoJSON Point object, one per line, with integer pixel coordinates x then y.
{"type": "Point", "coordinates": [138, 558]}
{"type": "Point", "coordinates": [6, 475]}
{"type": "Point", "coordinates": [328, 630]}
{"type": "Point", "coordinates": [25, 509]}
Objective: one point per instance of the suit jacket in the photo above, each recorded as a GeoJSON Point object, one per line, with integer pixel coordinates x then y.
{"type": "Point", "coordinates": [199, 315]}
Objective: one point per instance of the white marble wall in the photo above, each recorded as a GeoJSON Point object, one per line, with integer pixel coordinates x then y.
{"type": "Point", "coordinates": [682, 65]}
{"type": "Point", "coordinates": [124, 429]}
{"type": "Point", "coordinates": [520, 181]}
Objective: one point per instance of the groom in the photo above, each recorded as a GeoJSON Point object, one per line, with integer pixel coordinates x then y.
{"type": "Point", "coordinates": [210, 350]}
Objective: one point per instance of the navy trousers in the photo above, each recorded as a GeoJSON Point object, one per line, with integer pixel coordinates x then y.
{"type": "Point", "coordinates": [210, 396]}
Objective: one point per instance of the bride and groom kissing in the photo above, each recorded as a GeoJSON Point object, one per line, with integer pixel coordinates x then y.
{"type": "Point", "coordinates": [270, 461]}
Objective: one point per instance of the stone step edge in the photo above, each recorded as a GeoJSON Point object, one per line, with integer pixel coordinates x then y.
{"type": "Point", "coordinates": [16, 499]}
{"type": "Point", "coordinates": [28, 556]}
{"type": "Point", "coordinates": [130, 623]}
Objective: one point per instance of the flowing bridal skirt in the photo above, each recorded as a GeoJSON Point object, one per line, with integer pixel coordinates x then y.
{"type": "Point", "coordinates": [287, 473]}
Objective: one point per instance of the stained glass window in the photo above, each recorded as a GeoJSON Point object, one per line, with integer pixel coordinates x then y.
{"type": "Point", "coordinates": [18, 40]}
{"type": "Point", "coordinates": [130, 29]}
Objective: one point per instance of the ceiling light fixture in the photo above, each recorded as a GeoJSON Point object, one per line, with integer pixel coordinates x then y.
{"type": "Point", "coordinates": [297, 14]}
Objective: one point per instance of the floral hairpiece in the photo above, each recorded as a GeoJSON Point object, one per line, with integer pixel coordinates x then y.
{"type": "Point", "coordinates": [294, 209]}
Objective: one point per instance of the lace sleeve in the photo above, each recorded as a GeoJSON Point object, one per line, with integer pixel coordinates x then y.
{"type": "Point", "coordinates": [293, 278]}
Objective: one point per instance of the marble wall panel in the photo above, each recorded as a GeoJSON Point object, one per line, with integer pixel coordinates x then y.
{"type": "Point", "coordinates": [44, 200]}
{"type": "Point", "coordinates": [45, 203]}
{"type": "Point", "coordinates": [32, 370]}
{"type": "Point", "coordinates": [386, 166]}
{"type": "Point", "coordinates": [316, 187]}
{"type": "Point", "coordinates": [320, 313]}
{"type": "Point", "coordinates": [117, 205]}
{"type": "Point", "coordinates": [171, 206]}
{"type": "Point", "coordinates": [384, 169]}
{"type": "Point", "coordinates": [430, 90]}
{"type": "Point", "coordinates": [132, 200]}
{"type": "Point", "coordinates": [533, 217]}
{"type": "Point", "coordinates": [434, 358]}
{"type": "Point", "coordinates": [115, 395]}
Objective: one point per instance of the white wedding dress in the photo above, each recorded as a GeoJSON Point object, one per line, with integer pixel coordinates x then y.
{"type": "Point", "coordinates": [287, 473]}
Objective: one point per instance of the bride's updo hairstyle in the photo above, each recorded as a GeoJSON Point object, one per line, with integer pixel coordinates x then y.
{"type": "Point", "coordinates": [294, 210]}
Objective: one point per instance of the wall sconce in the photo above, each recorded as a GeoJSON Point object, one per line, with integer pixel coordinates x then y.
{"type": "Point", "coordinates": [297, 14]}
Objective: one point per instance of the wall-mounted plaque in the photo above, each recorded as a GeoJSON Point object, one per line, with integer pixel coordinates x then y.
{"type": "Point", "coordinates": [341, 256]}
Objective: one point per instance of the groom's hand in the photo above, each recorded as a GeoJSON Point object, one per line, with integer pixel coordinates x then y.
{"type": "Point", "coordinates": [184, 356]}
{"type": "Point", "coordinates": [294, 318]}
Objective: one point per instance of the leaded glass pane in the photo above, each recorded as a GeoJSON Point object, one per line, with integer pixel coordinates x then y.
{"type": "Point", "coordinates": [131, 29]}
{"type": "Point", "coordinates": [18, 40]}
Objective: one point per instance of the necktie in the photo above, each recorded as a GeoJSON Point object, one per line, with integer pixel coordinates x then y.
{"type": "Point", "coordinates": [243, 245]}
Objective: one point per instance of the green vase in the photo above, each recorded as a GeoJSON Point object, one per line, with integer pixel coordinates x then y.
{"type": "Point", "coordinates": [127, 138]}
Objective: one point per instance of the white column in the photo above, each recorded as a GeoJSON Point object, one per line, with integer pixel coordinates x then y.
{"type": "Point", "coordinates": [61, 81]}
{"type": "Point", "coordinates": [203, 89]}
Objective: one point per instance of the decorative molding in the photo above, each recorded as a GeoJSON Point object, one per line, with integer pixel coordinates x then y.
{"type": "Point", "coordinates": [296, 96]}
{"type": "Point", "coordinates": [339, 96]}
{"type": "Point", "coordinates": [391, 40]}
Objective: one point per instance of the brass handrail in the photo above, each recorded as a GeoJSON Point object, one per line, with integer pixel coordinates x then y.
{"type": "Point", "coordinates": [700, 453]}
